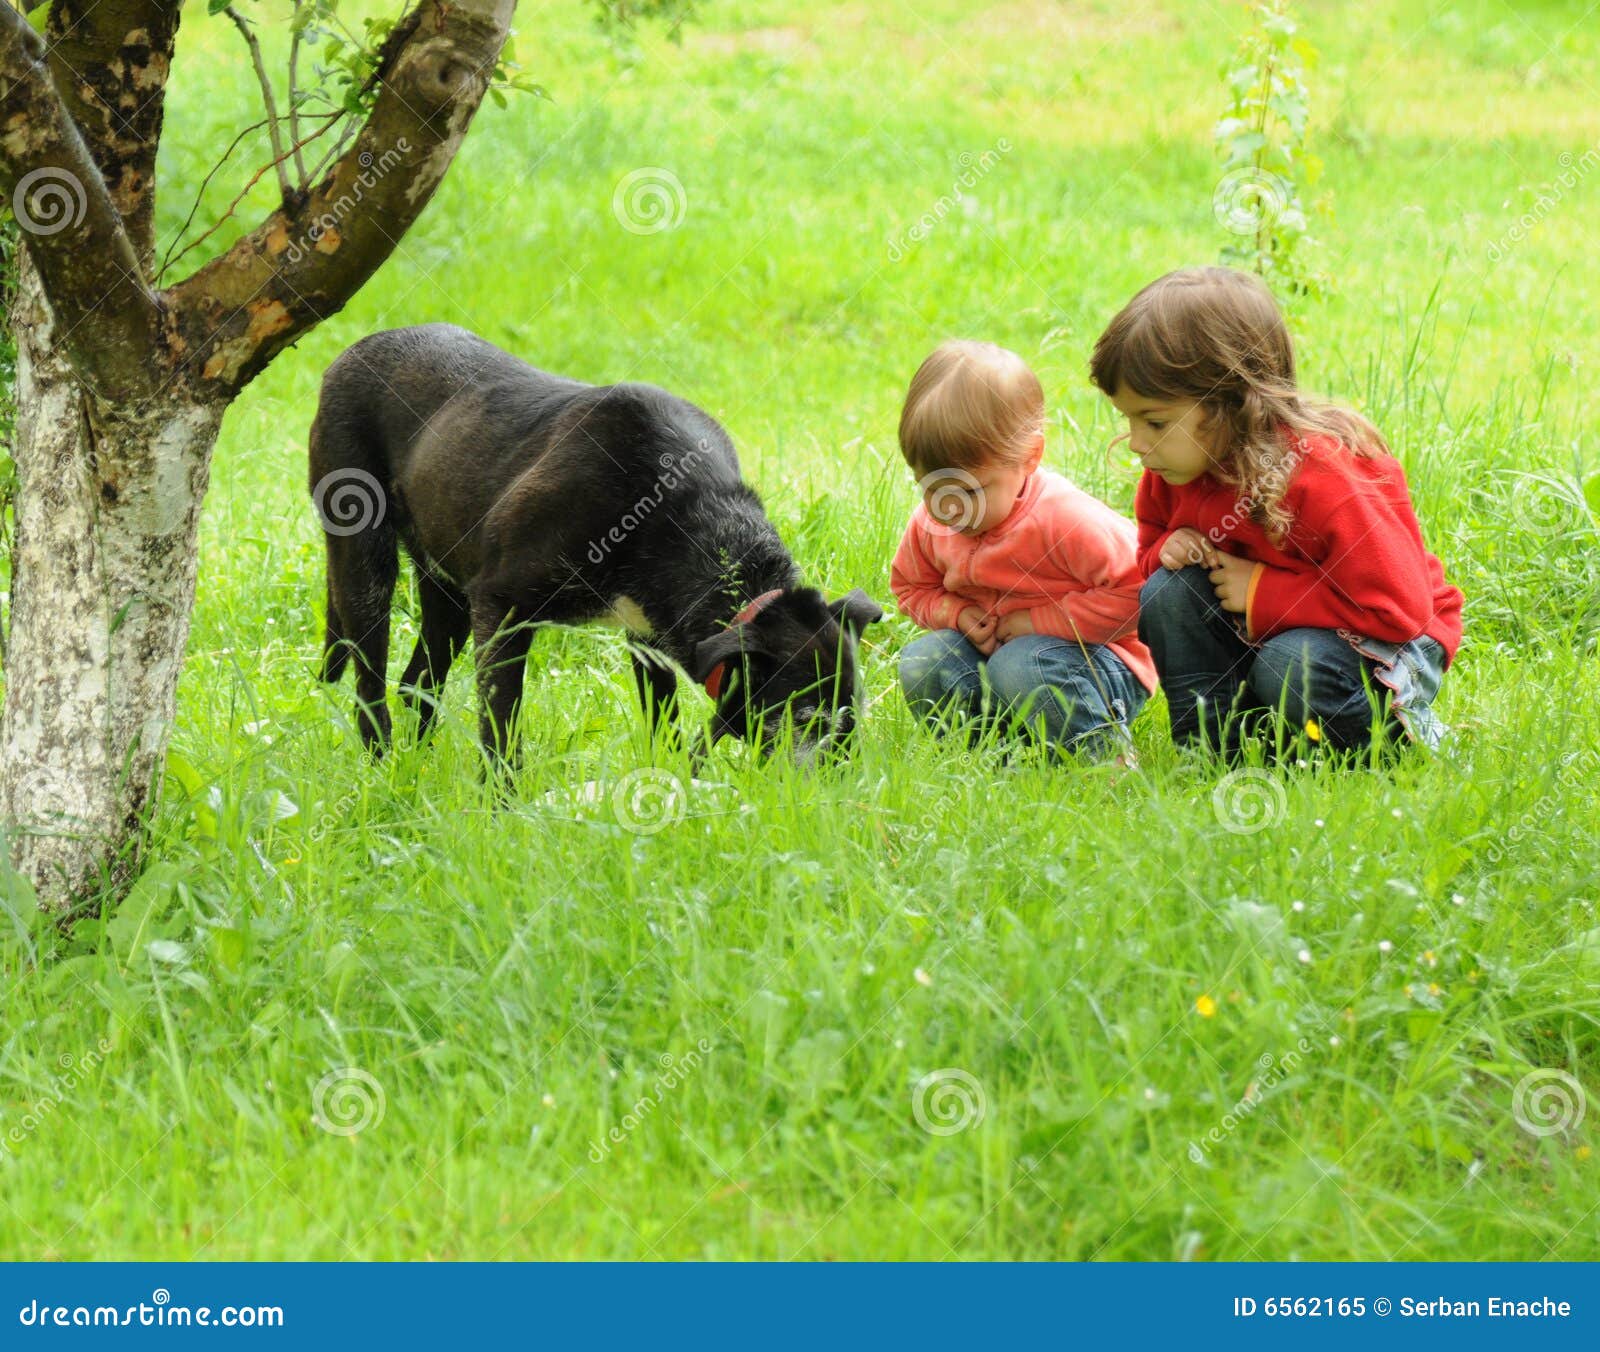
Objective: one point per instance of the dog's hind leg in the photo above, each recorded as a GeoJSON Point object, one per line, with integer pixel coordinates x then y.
{"type": "Point", "coordinates": [361, 574]}
{"type": "Point", "coordinates": [335, 651]}
{"type": "Point", "coordinates": [446, 622]}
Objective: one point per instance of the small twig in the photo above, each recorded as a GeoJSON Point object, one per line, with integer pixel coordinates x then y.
{"type": "Point", "coordinates": [199, 197]}
{"type": "Point", "coordinates": [294, 96]}
{"type": "Point", "coordinates": [243, 193]}
{"type": "Point", "coordinates": [267, 98]}
{"type": "Point", "coordinates": [339, 146]}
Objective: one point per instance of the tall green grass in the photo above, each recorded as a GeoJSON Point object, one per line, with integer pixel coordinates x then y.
{"type": "Point", "coordinates": [1187, 1041]}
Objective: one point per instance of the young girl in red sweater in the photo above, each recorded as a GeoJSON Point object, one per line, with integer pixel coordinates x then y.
{"type": "Point", "coordinates": [1286, 570]}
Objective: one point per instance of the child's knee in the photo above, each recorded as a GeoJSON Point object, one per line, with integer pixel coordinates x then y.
{"type": "Point", "coordinates": [1311, 675]}
{"type": "Point", "coordinates": [1012, 673]}
{"type": "Point", "coordinates": [935, 664]}
{"type": "Point", "coordinates": [1169, 593]}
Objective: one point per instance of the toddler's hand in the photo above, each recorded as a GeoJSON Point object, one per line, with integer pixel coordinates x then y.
{"type": "Point", "coordinates": [1013, 626]}
{"type": "Point", "coordinates": [1186, 546]}
{"type": "Point", "coordinates": [978, 628]}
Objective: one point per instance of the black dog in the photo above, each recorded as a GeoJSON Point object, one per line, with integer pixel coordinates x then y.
{"type": "Point", "coordinates": [524, 498]}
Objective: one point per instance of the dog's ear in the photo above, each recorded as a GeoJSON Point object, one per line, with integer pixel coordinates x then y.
{"type": "Point", "coordinates": [856, 611]}
{"type": "Point", "coordinates": [719, 648]}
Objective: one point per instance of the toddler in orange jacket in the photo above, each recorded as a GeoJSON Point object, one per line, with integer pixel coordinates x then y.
{"type": "Point", "coordinates": [1028, 586]}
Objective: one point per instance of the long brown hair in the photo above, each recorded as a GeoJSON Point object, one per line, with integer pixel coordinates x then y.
{"type": "Point", "coordinates": [1216, 336]}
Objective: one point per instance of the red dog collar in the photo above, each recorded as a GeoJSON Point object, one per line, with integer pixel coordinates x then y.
{"type": "Point", "coordinates": [714, 676]}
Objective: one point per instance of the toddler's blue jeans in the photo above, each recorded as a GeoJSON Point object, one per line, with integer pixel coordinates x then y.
{"type": "Point", "coordinates": [1071, 696]}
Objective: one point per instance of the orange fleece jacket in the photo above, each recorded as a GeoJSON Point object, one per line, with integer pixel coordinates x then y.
{"type": "Point", "coordinates": [1061, 555]}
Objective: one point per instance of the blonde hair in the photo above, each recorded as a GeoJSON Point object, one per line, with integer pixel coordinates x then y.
{"type": "Point", "coordinates": [1216, 336]}
{"type": "Point", "coordinates": [970, 404]}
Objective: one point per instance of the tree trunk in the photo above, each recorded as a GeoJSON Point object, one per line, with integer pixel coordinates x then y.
{"type": "Point", "coordinates": [103, 578]}
{"type": "Point", "coordinates": [121, 387]}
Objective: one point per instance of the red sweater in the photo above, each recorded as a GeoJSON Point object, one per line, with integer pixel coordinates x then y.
{"type": "Point", "coordinates": [1353, 558]}
{"type": "Point", "coordinates": [1061, 555]}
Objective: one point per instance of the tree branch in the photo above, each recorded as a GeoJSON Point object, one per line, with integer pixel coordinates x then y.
{"type": "Point", "coordinates": [105, 313]}
{"type": "Point", "coordinates": [274, 132]}
{"type": "Point", "coordinates": [110, 60]}
{"type": "Point", "coordinates": [308, 258]}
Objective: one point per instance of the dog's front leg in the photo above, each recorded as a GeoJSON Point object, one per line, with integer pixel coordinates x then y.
{"type": "Point", "coordinates": [658, 689]}
{"type": "Point", "coordinates": [501, 638]}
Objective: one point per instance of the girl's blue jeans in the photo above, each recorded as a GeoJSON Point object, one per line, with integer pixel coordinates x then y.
{"type": "Point", "coordinates": [1073, 697]}
{"type": "Point", "coordinates": [1220, 685]}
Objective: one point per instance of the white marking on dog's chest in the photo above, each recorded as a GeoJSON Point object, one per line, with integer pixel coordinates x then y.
{"type": "Point", "coordinates": [626, 612]}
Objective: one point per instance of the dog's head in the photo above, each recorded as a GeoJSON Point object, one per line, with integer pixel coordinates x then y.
{"type": "Point", "coordinates": [789, 659]}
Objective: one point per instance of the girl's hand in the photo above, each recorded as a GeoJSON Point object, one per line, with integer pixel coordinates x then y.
{"type": "Point", "coordinates": [978, 628]}
{"type": "Point", "coordinates": [1230, 579]}
{"type": "Point", "coordinates": [1186, 546]}
{"type": "Point", "coordinates": [1013, 626]}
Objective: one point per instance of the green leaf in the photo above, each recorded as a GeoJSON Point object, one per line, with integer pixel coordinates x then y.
{"type": "Point", "coordinates": [227, 946]}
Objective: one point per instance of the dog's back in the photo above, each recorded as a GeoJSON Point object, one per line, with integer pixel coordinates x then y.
{"type": "Point", "coordinates": [381, 392]}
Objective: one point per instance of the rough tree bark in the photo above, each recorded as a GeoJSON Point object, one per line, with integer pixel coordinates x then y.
{"type": "Point", "coordinates": [122, 387]}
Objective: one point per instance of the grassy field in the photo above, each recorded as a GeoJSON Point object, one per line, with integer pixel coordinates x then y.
{"type": "Point", "coordinates": [351, 1011]}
